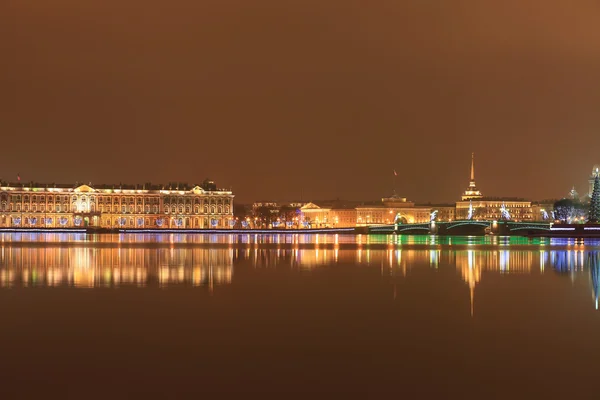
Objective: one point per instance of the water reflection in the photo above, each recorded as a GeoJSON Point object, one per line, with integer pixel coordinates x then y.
{"type": "Point", "coordinates": [90, 267]}
{"type": "Point", "coordinates": [159, 260]}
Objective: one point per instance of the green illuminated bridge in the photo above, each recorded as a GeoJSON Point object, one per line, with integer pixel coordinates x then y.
{"type": "Point", "coordinates": [465, 227]}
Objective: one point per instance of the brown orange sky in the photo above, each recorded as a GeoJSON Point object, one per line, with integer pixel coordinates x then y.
{"type": "Point", "coordinates": [321, 98]}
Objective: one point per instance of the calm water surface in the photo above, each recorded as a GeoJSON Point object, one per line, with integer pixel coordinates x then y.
{"type": "Point", "coordinates": [186, 316]}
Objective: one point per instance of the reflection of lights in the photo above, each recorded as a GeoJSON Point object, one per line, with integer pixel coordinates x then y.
{"type": "Point", "coordinates": [434, 258]}
{"type": "Point", "coordinates": [504, 260]}
{"type": "Point", "coordinates": [97, 267]}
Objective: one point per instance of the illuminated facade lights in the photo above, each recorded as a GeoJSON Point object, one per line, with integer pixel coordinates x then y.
{"type": "Point", "coordinates": [153, 207]}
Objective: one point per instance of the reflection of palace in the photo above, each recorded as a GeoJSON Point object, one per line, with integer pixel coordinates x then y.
{"type": "Point", "coordinates": [127, 206]}
{"type": "Point", "coordinates": [97, 267]}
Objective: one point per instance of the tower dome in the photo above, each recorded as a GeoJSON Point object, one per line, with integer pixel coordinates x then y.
{"type": "Point", "coordinates": [472, 192]}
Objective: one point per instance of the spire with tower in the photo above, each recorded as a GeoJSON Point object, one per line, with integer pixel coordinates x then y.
{"type": "Point", "coordinates": [472, 192]}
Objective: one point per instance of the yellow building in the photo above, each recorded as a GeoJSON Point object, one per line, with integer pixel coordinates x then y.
{"type": "Point", "coordinates": [474, 205]}
{"type": "Point", "coordinates": [390, 209]}
{"type": "Point", "coordinates": [346, 215]}
{"type": "Point", "coordinates": [328, 216]}
{"type": "Point", "coordinates": [123, 206]}
{"type": "Point", "coordinates": [443, 212]}
{"type": "Point", "coordinates": [491, 209]}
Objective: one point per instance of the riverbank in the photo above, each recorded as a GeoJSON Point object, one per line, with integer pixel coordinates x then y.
{"type": "Point", "coordinates": [197, 231]}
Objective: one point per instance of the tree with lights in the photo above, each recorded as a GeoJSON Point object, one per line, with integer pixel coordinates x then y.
{"type": "Point", "coordinates": [594, 215]}
{"type": "Point", "coordinates": [563, 210]}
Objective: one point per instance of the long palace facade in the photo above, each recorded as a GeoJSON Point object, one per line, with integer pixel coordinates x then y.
{"type": "Point", "coordinates": [175, 206]}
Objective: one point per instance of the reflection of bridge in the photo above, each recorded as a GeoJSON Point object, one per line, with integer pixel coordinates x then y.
{"type": "Point", "coordinates": [465, 227]}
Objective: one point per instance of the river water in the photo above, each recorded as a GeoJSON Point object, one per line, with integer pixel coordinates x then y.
{"type": "Point", "coordinates": [185, 316]}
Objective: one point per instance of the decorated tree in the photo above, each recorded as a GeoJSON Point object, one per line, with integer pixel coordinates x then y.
{"type": "Point", "coordinates": [563, 210]}
{"type": "Point", "coordinates": [594, 214]}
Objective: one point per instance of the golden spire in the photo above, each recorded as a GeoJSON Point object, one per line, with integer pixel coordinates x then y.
{"type": "Point", "coordinates": [472, 192]}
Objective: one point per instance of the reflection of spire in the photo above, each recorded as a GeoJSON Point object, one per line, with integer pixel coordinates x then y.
{"type": "Point", "coordinates": [471, 274]}
{"type": "Point", "coordinates": [472, 298]}
{"type": "Point", "coordinates": [472, 279]}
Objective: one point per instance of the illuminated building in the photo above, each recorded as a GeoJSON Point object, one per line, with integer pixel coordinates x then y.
{"type": "Point", "coordinates": [490, 208]}
{"type": "Point", "coordinates": [275, 206]}
{"type": "Point", "coordinates": [329, 215]}
{"type": "Point", "coordinates": [445, 212]}
{"type": "Point", "coordinates": [390, 209]}
{"type": "Point", "coordinates": [472, 192]}
{"type": "Point", "coordinates": [340, 215]}
{"type": "Point", "coordinates": [115, 206]}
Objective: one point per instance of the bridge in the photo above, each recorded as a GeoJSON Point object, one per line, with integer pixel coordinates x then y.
{"type": "Point", "coordinates": [464, 227]}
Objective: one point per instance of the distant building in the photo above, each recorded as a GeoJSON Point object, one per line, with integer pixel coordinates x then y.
{"type": "Point", "coordinates": [329, 215]}
{"type": "Point", "coordinates": [350, 214]}
{"type": "Point", "coordinates": [490, 209]}
{"type": "Point", "coordinates": [472, 192]}
{"type": "Point", "coordinates": [543, 210]}
{"type": "Point", "coordinates": [445, 212]}
{"type": "Point", "coordinates": [275, 206]}
{"type": "Point", "coordinates": [474, 205]}
{"type": "Point", "coordinates": [178, 205]}
{"type": "Point", "coordinates": [390, 209]}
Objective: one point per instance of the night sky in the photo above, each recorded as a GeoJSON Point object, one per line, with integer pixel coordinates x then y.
{"type": "Point", "coordinates": [278, 98]}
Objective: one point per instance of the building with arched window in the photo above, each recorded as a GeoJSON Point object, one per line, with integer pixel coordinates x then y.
{"type": "Point", "coordinates": [34, 205]}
